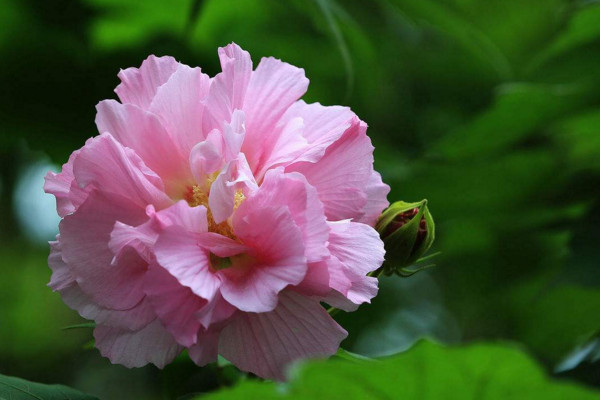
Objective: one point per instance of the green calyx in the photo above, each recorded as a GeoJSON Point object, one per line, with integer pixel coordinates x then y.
{"type": "Point", "coordinates": [219, 263]}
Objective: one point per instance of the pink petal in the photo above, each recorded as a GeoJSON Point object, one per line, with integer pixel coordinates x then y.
{"type": "Point", "coordinates": [342, 174]}
{"type": "Point", "coordinates": [181, 214]}
{"type": "Point", "coordinates": [178, 104]}
{"type": "Point", "coordinates": [266, 343]}
{"type": "Point", "coordinates": [356, 245]}
{"type": "Point", "coordinates": [277, 260]}
{"type": "Point", "coordinates": [363, 288]}
{"type": "Point", "coordinates": [175, 305]}
{"type": "Point", "coordinates": [377, 192]}
{"type": "Point", "coordinates": [152, 344]}
{"type": "Point", "coordinates": [179, 253]}
{"type": "Point", "coordinates": [85, 235]}
{"type": "Point", "coordinates": [338, 300]}
{"type": "Point", "coordinates": [61, 276]}
{"type": "Point", "coordinates": [138, 86]}
{"type": "Point", "coordinates": [68, 196]}
{"type": "Point", "coordinates": [144, 133]}
{"type": "Point", "coordinates": [206, 350]}
{"type": "Point", "coordinates": [316, 280]}
{"type": "Point", "coordinates": [215, 312]}
{"type": "Point", "coordinates": [284, 145]}
{"type": "Point", "coordinates": [143, 237]}
{"type": "Point", "coordinates": [323, 125]}
{"type": "Point", "coordinates": [273, 88]}
{"type": "Point", "coordinates": [134, 318]}
{"type": "Point", "coordinates": [62, 281]}
{"type": "Point", "coordinates": [338, 278]}
{"type": "Point", "coordinates": [220, 245]}
{"type": "Point", "coordinates": [293, 191]}
{"type": "Point", "coordinates": [112, 168]}
{"type": "Point", "coordinates": [233, 135]}
{"type": "Point", "coordinates": [228, 89]}
{"type": "Point", "coordinates": [235, 176]}
{"type": "Point", "coordinates": [140, 238]}
{"type": "Point", "coordinates": [359, 250]}
{"type": "Point", "coordinates": [207, 157]}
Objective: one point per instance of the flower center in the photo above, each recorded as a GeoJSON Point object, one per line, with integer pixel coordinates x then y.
{"type": "Point", "coordinates": [196, 196]}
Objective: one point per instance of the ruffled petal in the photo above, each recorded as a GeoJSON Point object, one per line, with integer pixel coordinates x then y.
{"type": "Point", "coordinates": [143, 132]}
{"type": "Point", "coordinates": [215, 312]}
{"type": "Point", "coordinates": [85, 235]}
{"type": "Point", "coordinates": [235, 176]}
{"type": "Point", "coordinates": [61, 276]}
{"type": "Point", "coordinates": [363, 288]}
{"type": "Point", "coordinates": [266, 343]}
{"type": "Point", "coordinates": [286, 145]}
{"type": "Point", "coordinates": [178, 252]}
{"type": "Point", "coordinates": [68, 195]}
{"type": "Point", "coordinates": [228, 89]}
{"type": "Point", "coordinates": [356, 245]}
{"type": "Point", "coordinates": [152, 344]}
{"type": "Point", "coordinates": [277, 258]}
{"type": "Point", "coordinates": [175, 305]}
{"type": "Point", "coordinates": [316, 280]}
{"type": "Point", "coordinates": [207, 157]}
{"type": "Point", "coordinates": [206, 350]}
{"type": "Point", "coordinates": [323, 125]}
{"type": "Point", "coordinates": [273, 88]}
{"type": "Point", "coordinates": [178, 104]}
{"type": "Point", "coordinates": [233, 135]}
{"type": "Point", "coordinates": [342, 174]}
{"type": "Point", "coordinates": [359, 250]}
{"type": "Point", "coordinates": [112, 168]}
{"type": "Point", "coordinates": [139, 85]}
{"type": "Point", "coordinates": [377, 192]}
{"type": "Point", "coordinates": [293, 191]}
{"type": "Point", "coordinates": [62, 281]}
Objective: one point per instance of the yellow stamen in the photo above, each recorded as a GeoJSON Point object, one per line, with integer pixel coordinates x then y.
{"type": "Point", "coordinates": [196, 196]}
{"type": "Point", "coordinates": [238, 198]}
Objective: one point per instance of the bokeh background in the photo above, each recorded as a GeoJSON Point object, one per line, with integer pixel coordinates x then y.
{"type": "Point", "coordinates": [489, 109]}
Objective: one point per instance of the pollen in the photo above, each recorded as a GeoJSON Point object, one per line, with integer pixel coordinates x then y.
{"type": "Point", "coordinates": [238, 199]}
{"type": "Point", "coordinates": [197, 196]}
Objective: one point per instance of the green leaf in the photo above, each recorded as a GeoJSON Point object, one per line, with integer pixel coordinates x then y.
{"type": "Point", "coordinates": [20, 389]}
{"type": "Point", "coordinates": [519, 110]}
{"type": "Point", "coordinates": [126, 24]}
{"type": "Point", "coordinates": [427, 371]}
{"type": "Point", "coordinates": [555, 320]}
{"type": "Point", "coordinates": [579, 137]}
{"type": "Point", "coordinates": [583, 28]}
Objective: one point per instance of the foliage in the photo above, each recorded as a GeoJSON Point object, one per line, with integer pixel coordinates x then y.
{"type": "Point", "coordinates": [15, 388]}
{"type": "Point", "coordinates": [427, 371]}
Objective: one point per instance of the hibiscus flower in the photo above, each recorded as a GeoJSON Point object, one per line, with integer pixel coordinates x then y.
{"type": "Point", "coordinates": [217, 215]}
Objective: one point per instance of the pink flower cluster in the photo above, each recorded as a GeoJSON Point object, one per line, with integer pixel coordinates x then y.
{"type": "Point", "coordinates": [215, 214]}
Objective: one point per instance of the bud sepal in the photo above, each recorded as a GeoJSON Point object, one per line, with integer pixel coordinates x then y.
{"type": "Point", "coordinates": [407, 231]}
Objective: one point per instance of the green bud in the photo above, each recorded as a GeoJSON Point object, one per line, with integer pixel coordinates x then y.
{"type": "Point", "coordinates": [407, 231]}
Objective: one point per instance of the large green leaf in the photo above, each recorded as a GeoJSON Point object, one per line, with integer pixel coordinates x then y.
{"type": "Point", "coordinates": [557, 319]}
{"type": "Point", "coordinates": [519, 110]}
{"type": "Point", "coordinates": [583, 28]}
{"type": "Point", "coordinates": [428, 371]}
{"type": "Point", "coordinates": [126, 24]}
{"type": "Point", "coordinates": [19, 389]}
{"type": "Point", "coordinates": [579, 138]}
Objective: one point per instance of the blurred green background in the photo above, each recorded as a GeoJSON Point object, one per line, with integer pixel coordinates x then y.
{"type": "Point", "coordinates": [489, 109]}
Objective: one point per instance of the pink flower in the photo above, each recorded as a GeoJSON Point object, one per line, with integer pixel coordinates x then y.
{"type": "Point", "coordinates": [215, 214]}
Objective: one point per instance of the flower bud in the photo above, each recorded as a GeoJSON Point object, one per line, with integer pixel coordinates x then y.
{"type": "Point", "coordinates": [407, 231]}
